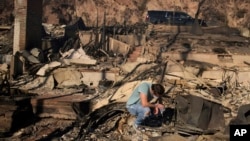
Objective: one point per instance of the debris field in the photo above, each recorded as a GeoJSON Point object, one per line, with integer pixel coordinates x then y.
{"type": "Point", "coordinates": [75, 87]}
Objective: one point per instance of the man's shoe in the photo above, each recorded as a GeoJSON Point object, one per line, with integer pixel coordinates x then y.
{"type": "Point", "coordinates": [138, 128]}
{"type": "Point", "coordinates": [135, 126]}
{"type": "Point", "coordinates": [139, 132]}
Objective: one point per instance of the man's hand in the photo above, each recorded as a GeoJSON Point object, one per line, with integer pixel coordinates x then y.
{"type": "Point", "coordinates": [156, 111]}
{"type": "Point", "coordinates": [160, 106]}
{"type": "Point", "coordinates": [157, 108]}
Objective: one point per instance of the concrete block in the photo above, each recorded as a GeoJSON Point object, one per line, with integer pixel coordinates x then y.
{"type": "Point", "coordinates": [129, 66]}
{"type": "Point", "coordinates": [213, 74]}
{"type": "Point", "coordinates": [244, 78]}
{"type": "Point", "coordinates": [227, 61]}
{"type": "Point", "coordinates": [118, 46]}
{"type": "Point", "coordinates": [67, 77]}
{"type": "Point", "coordinates": [178, 75]}
{"type": "Point", "coordinates": [132, 39]}
{"type": "Point", "coordinates": [173, 68]}
{"type": "Point", "coordinates": [88, 37]}
{"type": "Point", "coordinates": [92, 77]}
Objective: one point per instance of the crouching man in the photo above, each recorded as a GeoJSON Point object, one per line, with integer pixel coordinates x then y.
{"type": "Point", "coordinates": [139, 104]}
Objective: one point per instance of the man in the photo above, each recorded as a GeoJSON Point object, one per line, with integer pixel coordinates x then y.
{"type": "Point", "coordinates": [139, 104]}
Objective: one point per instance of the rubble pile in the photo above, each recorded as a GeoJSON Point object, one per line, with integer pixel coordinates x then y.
{"type": "Point", "coordinates": [83, 80]}
{"type": "Point", "coordinates": [94, 53]}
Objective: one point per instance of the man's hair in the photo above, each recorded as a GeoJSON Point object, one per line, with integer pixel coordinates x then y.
{"type": "Point", "coordinates": [158, 88]}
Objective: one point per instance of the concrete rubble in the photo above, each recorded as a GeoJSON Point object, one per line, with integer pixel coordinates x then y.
{"type": "Point", "coordinates": [87, 83]}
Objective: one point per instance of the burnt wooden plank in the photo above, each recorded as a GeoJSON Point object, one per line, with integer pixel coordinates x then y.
{"type": "Point", "coordinates": [62, 106]}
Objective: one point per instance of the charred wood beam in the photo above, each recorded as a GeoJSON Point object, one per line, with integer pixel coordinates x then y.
{"type": "Point", "coordinates": [248, 63]}
{"type": "Point", "coordinates": [163, 72]}
{"type": "Point", "coordinates": [125, 79]}
{"type": "Point", "coordinates": [34, 68]}
{"type": "Point", "coordinates": [103, 41]}
{"type": "Point", "coordinates": [5, 86]}
{"type": "Point", "coordinates": [104, 52]}
{"type": "Point", "coordinates": [99, 116]}
{"type": "Point", "coordinates": [148, 71]}
{"type": "Point", "coordinates": [196, 28]}
{"type": "Point", "coordinates": [105, 117]}
{"type": "Point", "coordinates": [96, 32]}
{"type": "Point", "coordinates": [69, 44]}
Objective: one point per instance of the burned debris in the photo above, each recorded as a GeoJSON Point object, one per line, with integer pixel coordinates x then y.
{"type": "Point", "coordinates": [74, 87]}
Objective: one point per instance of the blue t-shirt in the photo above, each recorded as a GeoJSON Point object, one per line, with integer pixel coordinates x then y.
{"type": "Point", "coordinates": [141, 88]}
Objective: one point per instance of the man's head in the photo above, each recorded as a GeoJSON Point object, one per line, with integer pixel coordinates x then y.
{"type": "Point", "coordinates": [158, 89]}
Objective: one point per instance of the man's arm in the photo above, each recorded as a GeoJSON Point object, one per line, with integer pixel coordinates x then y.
{"type": "Point", "coordinates": [144, 101]}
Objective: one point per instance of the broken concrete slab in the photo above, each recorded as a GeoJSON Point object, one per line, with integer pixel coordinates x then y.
{"type": "Point", "coordinates": [241, 76]}
{"type": "Point", "coordinates": [77, 57]}
{"type": "Point", "coordinates": [88, 37]}
{"type": "Point", "coordinates": [245, 32]}
{"type": "Point", "coordinates": [129, 66]}
{"type": "Point", "coordinates": [118, 47]}
{"type": "Point", "coordinates": [132, 39]}
{"type": "Point", "coordinates": [35, 52]}
{"type": "Point", "coordinates": [81, 61]}
{"type": "Point", "coordinates": [79, 53]}
{"type": "Point", "coordinates": [222, 60]}
{"type": "Point", "coordinates": [181, 75]}
{"type": "Point", "coordinates": [67, 77]}
{"type": "Point", "coordinates": [54, 64]}
{"type": "Point", "coordinates": [92, 77]}
{"type": "Point", "coordinates": [43, 70]}
{"type": "Point", "coordinates": [50, 82]}
{"type": "Point", "coordinates": [67, 54]}
{"type": "Point", "coordinates": [47, 67]}
{"type": "Point", "coordinates": [4, 67]}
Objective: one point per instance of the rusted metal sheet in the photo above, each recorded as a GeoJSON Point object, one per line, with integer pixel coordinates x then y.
{"type": "Point", "coordinates": [199, 113]}
{"type": "Point", "coordinates": [243, 115]}
{"type": "Point", "coordinates": [61, 106]}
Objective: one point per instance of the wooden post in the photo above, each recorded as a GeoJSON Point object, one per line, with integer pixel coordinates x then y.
{"type": "Point", "coordinates": [27, 25]}
{"type": "Point", "coordinates": [27, 30]}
